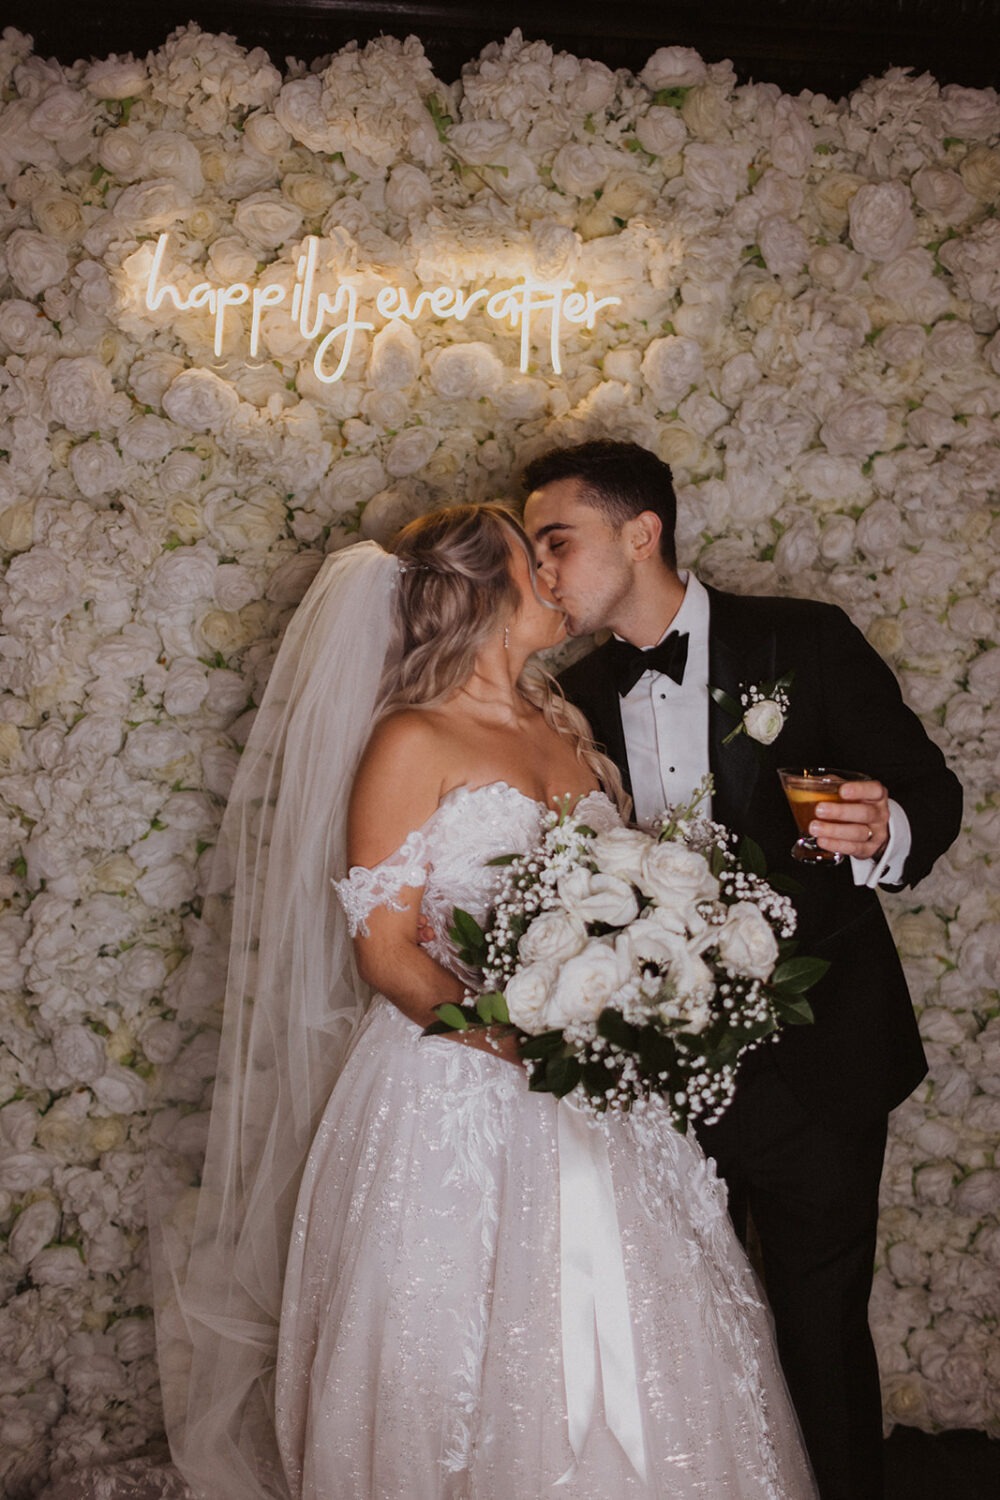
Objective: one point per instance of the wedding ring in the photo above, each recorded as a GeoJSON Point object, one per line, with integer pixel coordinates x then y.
{"type": "Point", "coordinates": [869, 836]}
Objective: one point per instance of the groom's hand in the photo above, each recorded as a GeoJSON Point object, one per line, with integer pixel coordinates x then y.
{"type": "Point", "coordinates": [858, 825]}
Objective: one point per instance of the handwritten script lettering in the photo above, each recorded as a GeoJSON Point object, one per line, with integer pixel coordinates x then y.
{"type": "Point", "coordinates": [335, 313]}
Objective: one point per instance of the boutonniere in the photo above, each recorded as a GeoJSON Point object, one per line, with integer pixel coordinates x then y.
{"type": "Point", "coordinates": [761, 711]}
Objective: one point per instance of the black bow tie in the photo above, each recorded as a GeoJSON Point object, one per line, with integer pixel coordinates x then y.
{"type": "Point", "coordinates": [628, 662]}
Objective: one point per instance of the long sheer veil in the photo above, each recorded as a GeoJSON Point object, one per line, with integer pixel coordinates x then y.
{"type": "Point", "coordinates": [292, 1002]}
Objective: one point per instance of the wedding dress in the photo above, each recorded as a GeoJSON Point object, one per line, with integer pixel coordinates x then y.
{"type": "Point", "coordinates": [422, 1346]}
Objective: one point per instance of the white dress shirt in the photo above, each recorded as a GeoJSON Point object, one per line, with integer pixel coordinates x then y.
{"type": "Point", "coordinates": [665, 724]}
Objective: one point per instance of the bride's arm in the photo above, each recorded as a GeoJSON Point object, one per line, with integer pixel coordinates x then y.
{"type": "Point", "coordinates": [398, 787]}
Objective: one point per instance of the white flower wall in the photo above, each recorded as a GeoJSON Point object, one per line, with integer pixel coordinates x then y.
{"type": "Point", "coordinates": [807, 332]}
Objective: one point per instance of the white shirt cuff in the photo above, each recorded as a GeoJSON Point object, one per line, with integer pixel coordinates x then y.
{"type": "Point", "coordinates": [888, 868]}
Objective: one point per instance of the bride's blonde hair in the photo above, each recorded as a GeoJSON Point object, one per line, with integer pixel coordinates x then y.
{"type": "Point", "coordinates": [456, 591]}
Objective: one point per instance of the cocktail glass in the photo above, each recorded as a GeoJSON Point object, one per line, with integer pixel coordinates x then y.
{"type": "Point", "coordinates": [804, 788]}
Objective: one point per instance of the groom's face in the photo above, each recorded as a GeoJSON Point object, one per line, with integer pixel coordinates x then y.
{"type": "Point", "coordinates": [586, 563]}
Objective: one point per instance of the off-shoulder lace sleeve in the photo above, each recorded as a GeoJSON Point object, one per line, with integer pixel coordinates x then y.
{"type": "Point", "coordinates": [363, 889]}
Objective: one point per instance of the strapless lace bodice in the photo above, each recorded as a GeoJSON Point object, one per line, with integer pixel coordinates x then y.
{"type": "Point", "coordinates": [449, 856]}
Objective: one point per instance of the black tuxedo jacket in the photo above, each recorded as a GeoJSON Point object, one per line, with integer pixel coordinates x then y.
{"type": "Point", "coordinates": [863, 1055]}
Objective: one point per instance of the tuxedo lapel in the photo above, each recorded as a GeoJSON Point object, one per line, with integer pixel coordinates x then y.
{"type": "Point", "coordinates": [736, 658]}
{"type": "Point", "coordinates": [607, 714]}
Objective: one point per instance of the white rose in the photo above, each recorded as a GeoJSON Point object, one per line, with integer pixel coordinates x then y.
{"type": "Point", "coordinates": [394, 362]}
{"type": "Point", "coordinates": [79, 393]}
{"type": "Point", "coordinates": [598, 898]}
{"type": "Point", "coordinates": [185, 688]}
{"type": "Point", "coordinates": [465, 370]}
{"type": "Point", "coordinates": [673, 68]}
{"type": "Point", "coordinates": [58, 215]}
{"type": "Point", "coordinates": [410, 450]}
{"type": "Point", "coordinates": [902, 343]}
{"type": "Point", "coordinates": [268, 220]}
{"type": "Point", "coordinates": [408, 192]}
{"type": "Point", "coordinates": [661, 131]}
{"type": "Point", "coordinates": [551, 937]}
{"type": "Point", "coordinates": [855, 426]}
{"type": "Point", "coordinates": [971, 114]}
{"type": "Point", "coordinates": [59, 1265]}
{"type": "Point", "coordinates": [266, 134]}
{"type": "Point", "coordinates": [33, 1230]}
{"type": "Point", "coordinates": [783, 245]}
{"type": "Point", "coordinates": [161, 1041]}
{"type": "Point", "coordinates": [717, 173]}
{"type": "Point", "coordinates": [120, 1090]}
{"type": "Point", "coordinates": [670, 367]}
{"type": "Point", "coordinates": [21, 1171]}
{"type": "Point", "coordinates": [579, 170]}
{"type": "Point", "coordinates": [944, 193]}
{"type": "Point", "coordinates": [147, 439]}
{"type": "Point", "coordinates": [746, 942]}
{"type": "Point", "coordinates": [152, 207]}
{"type": "Point", "coordinates": [619, 852]}
{"type": "Point", "coordinates": [764, 721]}
{"type": "Point", "coordinates": [180, 472]}
{"type": "Point", "coordinates": [117, 77]}
{"type": "Point", "coordinates": [676, 876]}
{"type": "Point", "coordinates": [80, 1053]}
{"type": "Point", "coordinates": [35, 261]}
{"type": "Point", "coordinates": [952, 344]}
{"type": "Point", "coordinates": [97, 469]}
{"type": "Point", "coordinates": [881, 220]}
{"type": "Point", "coordinates": [585, 984]}
{"type": "Point", "coordinates": [980, 172]}
{"type": "Point", "coordinates": [199, 400]}
{"type": "Point", "coordinates": [527, 996]}
{"type": "Point", "coordinates": [836, 267]}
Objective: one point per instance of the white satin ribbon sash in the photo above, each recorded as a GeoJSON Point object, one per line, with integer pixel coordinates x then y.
{"type": "Point", "coordinates": [596, 1325]}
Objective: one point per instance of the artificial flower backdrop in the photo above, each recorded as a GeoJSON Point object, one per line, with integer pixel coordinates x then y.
{"type": "Point", "coordinates": [809, 299]}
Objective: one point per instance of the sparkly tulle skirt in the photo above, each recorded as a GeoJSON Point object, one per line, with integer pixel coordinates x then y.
{"type": "Point", "coordinates": [421, 1347]}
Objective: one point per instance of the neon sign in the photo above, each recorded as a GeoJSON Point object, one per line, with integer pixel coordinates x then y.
{"type": "Point", "coordinates": [314, 309]}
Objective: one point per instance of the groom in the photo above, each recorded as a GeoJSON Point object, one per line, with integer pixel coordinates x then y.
{"type": "Point", "coordinates": [801, 1146]}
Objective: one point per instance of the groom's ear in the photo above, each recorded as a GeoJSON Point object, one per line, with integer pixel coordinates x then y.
{"type": "Point", "coordinates": [642, 535]}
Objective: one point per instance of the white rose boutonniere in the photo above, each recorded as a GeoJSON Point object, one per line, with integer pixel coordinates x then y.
{"type": "Point", "coordinates": [761, 711]}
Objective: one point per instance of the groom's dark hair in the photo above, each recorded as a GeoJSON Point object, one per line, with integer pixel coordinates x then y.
{"type": "Point", "coordinates": [619, 479]}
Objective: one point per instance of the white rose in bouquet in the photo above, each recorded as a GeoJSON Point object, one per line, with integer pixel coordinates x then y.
{"type": "Point", "coordinates": [675, 876]}
{"type": "Point", "coordinates": [528, 996]}
{"type": "Point", "coordinates": [552, 937]}
{"type": "Point", "coordinates": [619, 851]}
{"type": "Point", "coordinates": [598, 898]}
{"type": "Point", "coordinates": [746, 941]}
{"type": "Point", "coordinates": [586, 984]}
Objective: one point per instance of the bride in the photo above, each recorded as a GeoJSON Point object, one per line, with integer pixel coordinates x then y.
{"type": "Point", "coordinates": [402, 1281]}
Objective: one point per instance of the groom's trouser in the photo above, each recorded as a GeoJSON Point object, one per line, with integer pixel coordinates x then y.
{"type": "Point", "coordinates": [812, 1193]}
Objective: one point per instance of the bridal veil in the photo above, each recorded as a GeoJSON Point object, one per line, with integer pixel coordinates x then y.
{"type": "Point", "coordinates": [292, 1003]}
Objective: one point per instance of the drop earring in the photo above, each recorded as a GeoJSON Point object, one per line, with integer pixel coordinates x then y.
{"type": "Point", "coordinates": [506, 637]}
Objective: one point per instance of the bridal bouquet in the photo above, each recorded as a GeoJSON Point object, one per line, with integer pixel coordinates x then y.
{"type": "Point", "coordinates": [631, 963]}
